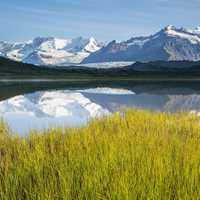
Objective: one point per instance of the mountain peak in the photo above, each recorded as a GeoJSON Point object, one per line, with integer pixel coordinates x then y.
{"type": "Point", "coordinates": [197, 30]}
{"type": "Point", "coordinates": [170, 30]}
{"type": "Point", "coordinates": [169, 27]}
{"type": "Point", "coordinates": [92, 45]}
{"type": "Point", "coordinates": [92, 39]}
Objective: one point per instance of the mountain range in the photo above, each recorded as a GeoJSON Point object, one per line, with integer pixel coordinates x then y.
{"type": "Point", "coordinates": [169, 44]}
{"type": "Point", "coordinates": [50, 50]}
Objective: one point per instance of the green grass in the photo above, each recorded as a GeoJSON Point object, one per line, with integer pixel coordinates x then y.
{"type": "Point", "coordinates": [138, 155]}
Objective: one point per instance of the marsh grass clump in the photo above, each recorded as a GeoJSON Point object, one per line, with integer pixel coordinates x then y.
{"type": "Point", "coordinates": [137, 155]}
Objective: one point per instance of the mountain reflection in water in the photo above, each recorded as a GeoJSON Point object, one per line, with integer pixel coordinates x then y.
{"type": "Point", "coordinates": [39, 105]}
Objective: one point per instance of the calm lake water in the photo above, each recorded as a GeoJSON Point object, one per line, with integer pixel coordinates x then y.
{"type": "Point", "coordinates": [40, 105]}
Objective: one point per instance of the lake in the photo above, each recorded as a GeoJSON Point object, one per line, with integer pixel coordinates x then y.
{"type": "Point", "coordinates": [38, 105]}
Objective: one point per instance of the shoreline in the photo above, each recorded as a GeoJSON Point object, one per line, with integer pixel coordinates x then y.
{"type": "Point", "coordinates": [102, 80]}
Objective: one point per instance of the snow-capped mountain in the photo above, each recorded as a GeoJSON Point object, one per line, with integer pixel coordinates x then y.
{"type": "Point", "coordinates": [50, 50]}
{"type": "Point", "coordinates": [170, 43]}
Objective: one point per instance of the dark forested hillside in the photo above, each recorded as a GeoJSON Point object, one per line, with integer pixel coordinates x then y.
{"type": "Point", "coordinates": [151, 70]}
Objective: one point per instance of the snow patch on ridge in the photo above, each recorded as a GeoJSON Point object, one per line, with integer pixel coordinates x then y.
{"type": "Point", "coordinates": [194, 39]}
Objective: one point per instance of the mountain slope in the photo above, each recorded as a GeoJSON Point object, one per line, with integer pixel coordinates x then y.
{"type": "Point", "coordinates": [50, 51]}
{"type": "Point", "coordinates": [170, 43]}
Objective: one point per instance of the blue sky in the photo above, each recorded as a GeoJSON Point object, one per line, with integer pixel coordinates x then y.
{"type": "Point", "coordinates": [104, 19]}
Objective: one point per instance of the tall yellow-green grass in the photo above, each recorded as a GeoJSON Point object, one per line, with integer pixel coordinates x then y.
{"type": "Point", "coordinates": [137, 155]}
